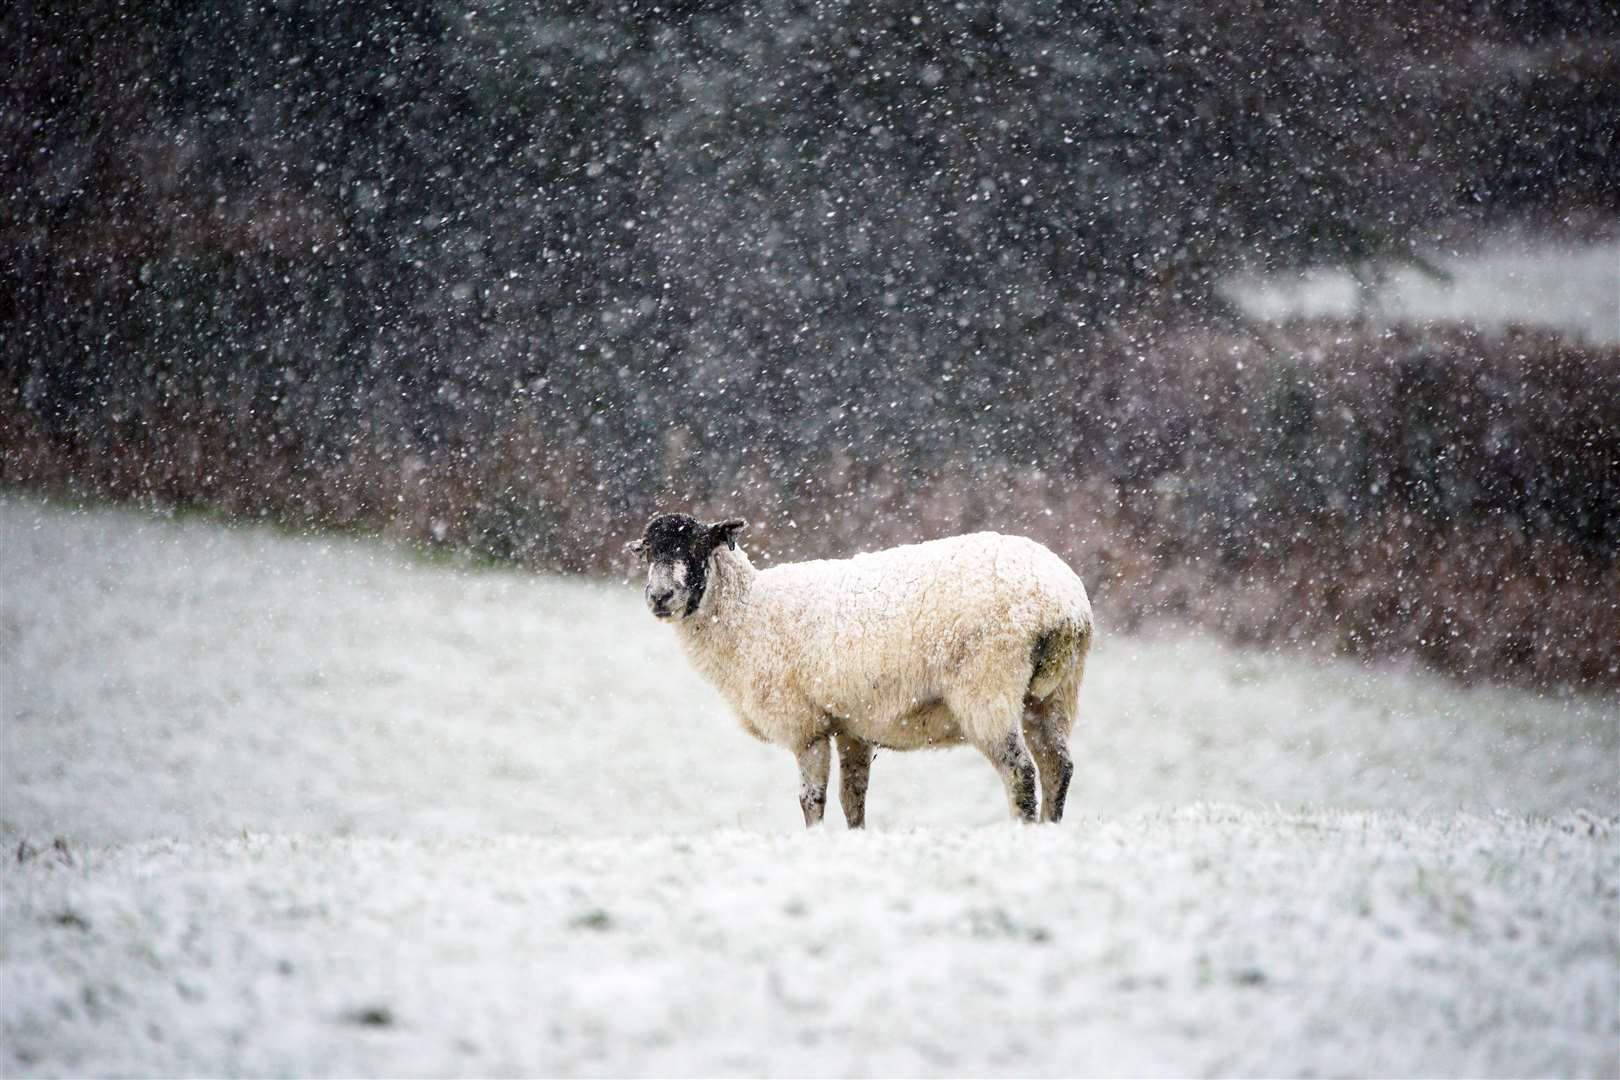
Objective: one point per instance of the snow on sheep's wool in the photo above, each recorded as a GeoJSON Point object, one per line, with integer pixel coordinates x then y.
{"type": "Point", "coordinates": [880, 640]}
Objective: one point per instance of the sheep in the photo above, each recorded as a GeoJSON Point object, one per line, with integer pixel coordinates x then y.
{"type": "Point", "coordinates": [978, 639]}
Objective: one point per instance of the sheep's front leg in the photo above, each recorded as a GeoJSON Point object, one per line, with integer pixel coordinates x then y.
{"type": "Point", "coordinates": [815, 762]}
{"type": "Point", "coordinates": [854, 770]}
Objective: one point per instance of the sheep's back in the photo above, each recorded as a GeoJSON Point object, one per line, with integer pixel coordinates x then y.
{"type": "Point", "coordinates": [885, 631]}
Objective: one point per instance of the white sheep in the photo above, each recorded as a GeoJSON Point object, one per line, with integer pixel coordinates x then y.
{"type": "Point", "coordinates": [978, 639]}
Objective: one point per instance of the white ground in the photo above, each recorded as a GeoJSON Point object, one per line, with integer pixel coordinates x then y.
{"type": "Point", "coordinates": [335, 810]}
{"type": "Point", "coordinates": [1567, 285]}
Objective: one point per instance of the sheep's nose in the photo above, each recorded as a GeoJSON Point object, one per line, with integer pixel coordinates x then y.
{"type": "Point", "coordinates": [659, 599]}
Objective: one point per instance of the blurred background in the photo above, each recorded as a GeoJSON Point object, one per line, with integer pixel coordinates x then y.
{"type": "Point", "coordinates": [1297, 322]}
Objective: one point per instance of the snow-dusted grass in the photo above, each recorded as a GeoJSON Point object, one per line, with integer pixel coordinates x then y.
{"type": "Point", "coordinates": [333, 809]}
{"type": "Point", "coordinates": [1196, 942]}
{"type": "Point", "coordinates": [1511, 279]}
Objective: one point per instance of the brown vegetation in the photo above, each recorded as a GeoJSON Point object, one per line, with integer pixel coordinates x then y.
{"type": "Point", "coordinates": [1439, 494]}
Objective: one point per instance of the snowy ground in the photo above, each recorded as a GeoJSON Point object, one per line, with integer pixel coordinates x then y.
{"type": "Point", "coordinates": [1568, 285]}
{"type": "Point", "coordinates": [331, 809]}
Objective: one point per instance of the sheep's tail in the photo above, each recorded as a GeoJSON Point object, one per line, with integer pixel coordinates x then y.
{"type": "Point", "coordinates": [1058, 654]}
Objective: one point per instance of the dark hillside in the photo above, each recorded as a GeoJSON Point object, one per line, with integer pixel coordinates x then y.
{"type": "Point", "coordinates": [506, 277]}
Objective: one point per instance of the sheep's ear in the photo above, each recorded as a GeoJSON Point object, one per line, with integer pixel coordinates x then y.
{"type": "Point", "coordinates": [725, 532]}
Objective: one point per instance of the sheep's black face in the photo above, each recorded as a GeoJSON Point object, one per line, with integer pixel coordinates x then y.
{"type": "Point", "coordinates": [677, 548]}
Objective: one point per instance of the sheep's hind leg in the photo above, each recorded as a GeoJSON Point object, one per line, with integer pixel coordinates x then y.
{"type": "Point", "coordinates": [854, 770]}
{"type": "Point", "coordinates": [1017, 770]}
{"type": "Point", "coordinates": [1051, 753]}
{"type": "Point", "coordinates": [815, 762]}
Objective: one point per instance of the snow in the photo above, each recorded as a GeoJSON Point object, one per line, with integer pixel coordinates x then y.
{"type": "Point", "coordinates": [1207, 940]}
{"type": "Point", "coordinates": [1571, 286]}
{"type": "Point", "coordinates": [335, 809]}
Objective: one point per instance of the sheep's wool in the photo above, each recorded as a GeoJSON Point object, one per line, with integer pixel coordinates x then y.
{"type": "Point", "coordinates": [924, 645]}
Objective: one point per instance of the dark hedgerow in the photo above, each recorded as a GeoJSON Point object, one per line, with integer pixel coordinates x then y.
{"type": "Point", "coordinates": [502, 277]}
{"type": "Point", "coordinates": [1442, 493]}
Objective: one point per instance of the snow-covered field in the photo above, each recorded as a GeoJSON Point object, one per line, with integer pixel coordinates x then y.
{"type": "Point", "coordinates": [1572, 286]}
{"type": "Point", "coordinates": [333, 809]}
